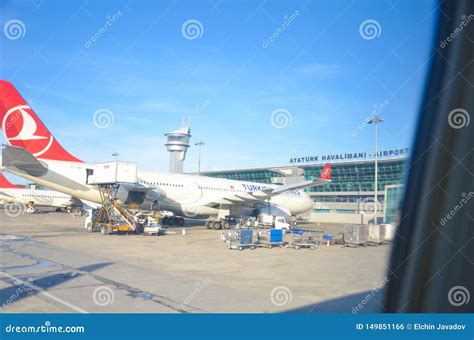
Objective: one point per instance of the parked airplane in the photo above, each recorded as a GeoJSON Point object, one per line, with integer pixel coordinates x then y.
{"type": "Point", "coordinates": [34, 153]}
{"type": "Point", "coordinates": [11, 193]}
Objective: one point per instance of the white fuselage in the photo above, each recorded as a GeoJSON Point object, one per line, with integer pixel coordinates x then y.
{"type": "Point", "coordinates": [39, 198]}
{"type": "Point", "coordinates": [179, 193]}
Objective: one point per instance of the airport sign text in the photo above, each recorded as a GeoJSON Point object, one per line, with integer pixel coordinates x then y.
{"type": "Point", "coordinates": [350, 156]}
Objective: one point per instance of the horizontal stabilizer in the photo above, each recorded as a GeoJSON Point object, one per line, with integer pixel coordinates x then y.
{"type": "Point", "coordinates": [21, 159]}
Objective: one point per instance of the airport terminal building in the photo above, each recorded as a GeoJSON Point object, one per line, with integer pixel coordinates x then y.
{"type": "Point", "coordinates": [349, 198]}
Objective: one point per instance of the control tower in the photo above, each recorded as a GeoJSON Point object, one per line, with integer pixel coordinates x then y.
{"type": "Point", "coordinates": [177, 143]}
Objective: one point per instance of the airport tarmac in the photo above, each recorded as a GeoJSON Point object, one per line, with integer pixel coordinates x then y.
{"type": "Point", "coordinates": [50, 264]}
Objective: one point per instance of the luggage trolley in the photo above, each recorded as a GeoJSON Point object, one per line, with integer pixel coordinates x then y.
{"type": "Point", "coordinates": [239, 239]}
{"type": "Point", "coordinates": [271, 237]}
{"type": "Point", "coordinates": [356, 235]}
{"type": "Point", "coordinates": [305, 239]}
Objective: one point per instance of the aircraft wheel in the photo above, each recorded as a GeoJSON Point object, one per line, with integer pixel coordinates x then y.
{"type": "Point", "coordinates": [172, 221]}
{"type": "Point", "coordinates": [217, 225]}
{"type": "Point", "coordinates": [209, 224]}
{"type": "Point", "coordinates": [104, 231]}
{"type": "Point", "coordinates": [226, 225]}
{"type": "Point", "coordinates": [181, 221]}
{"type": "Point", "coordinates": [166, 220]}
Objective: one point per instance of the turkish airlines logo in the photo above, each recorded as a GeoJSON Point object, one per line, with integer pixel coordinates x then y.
{"type": "Point", "coordinates": [325, 172]}
{"type": "Point", "coordinates": [22, 130]}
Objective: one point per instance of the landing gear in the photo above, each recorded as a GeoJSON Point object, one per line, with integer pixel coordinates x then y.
{"type": "Point", "coordinates": [173, 220]}
{"type": "Point", "coordinates": [218, 224]}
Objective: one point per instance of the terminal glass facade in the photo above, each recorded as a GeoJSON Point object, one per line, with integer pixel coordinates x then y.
{"type": "Point", "coordinates": [346, 177]}
{"type": "Point", "coordinates": [352, 184]}
{"type": "Point", "coordinates": [393, 196]}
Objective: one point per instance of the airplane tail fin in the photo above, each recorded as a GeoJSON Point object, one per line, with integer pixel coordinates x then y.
{"type": "Point", "coordinates": [326, 172]}
{"type": "Point", "coordinates": [23, 128]}
{"type": "Point", "coordinates": [5, 183]}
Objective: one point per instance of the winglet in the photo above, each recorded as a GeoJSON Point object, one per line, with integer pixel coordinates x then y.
{"type": "Point", "coordinates": [326, 172]}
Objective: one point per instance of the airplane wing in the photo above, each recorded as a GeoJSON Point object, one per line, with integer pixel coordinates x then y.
{"type": "Point", "coordinates": [262, 195]}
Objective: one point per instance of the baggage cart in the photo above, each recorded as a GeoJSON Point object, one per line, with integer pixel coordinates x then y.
{"type": "Point", "coordinates": [356, 235]}
{"type": "Point", "coordinates": [226, 235]}
{"type": "Point", "coordinates": [270, 238]}
{"type": "Point", "coordinates": [389, 232]}
{"type": "Point", "coordinates": [240, 239]}
{"type": "Point", "coordinates": [304, 239]}
{"type": "Point", "coordinates": [376, 234]}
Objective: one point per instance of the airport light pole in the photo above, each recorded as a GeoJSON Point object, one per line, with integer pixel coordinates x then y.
{"type": "Point", "coordinates": [200, 143]}
{"type": "Point", "coordinates": [375, 120]}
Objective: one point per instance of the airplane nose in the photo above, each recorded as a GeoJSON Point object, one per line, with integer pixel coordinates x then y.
{"type": "Point", "coordinates": [308, 202]}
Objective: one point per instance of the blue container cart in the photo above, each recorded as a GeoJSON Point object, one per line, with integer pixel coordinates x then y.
{"type": "Point", "coordinates": [240, 239]}
{"type": "Point", "coordinates": [270, 238]}
{"type": "Point", "coordinates": [304, 239]}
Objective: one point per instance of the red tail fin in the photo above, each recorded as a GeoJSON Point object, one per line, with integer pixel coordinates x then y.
{"type": "Point", "coordinates": [24, 129]}
{"type": "Point", "coordinates": [5, 183]}
{"type": "Point", "coordinates": [326, 172]}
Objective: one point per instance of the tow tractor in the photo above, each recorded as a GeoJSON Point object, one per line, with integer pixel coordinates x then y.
{"type": "Point", "coordinates": [149, 222]}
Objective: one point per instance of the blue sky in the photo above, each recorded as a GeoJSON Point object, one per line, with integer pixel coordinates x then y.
{"type": "Point", "coordinates": [143, 69]}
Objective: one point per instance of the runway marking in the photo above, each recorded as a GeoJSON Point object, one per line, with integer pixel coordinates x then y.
{"type": "Point", "coordinates": [45, 293]}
